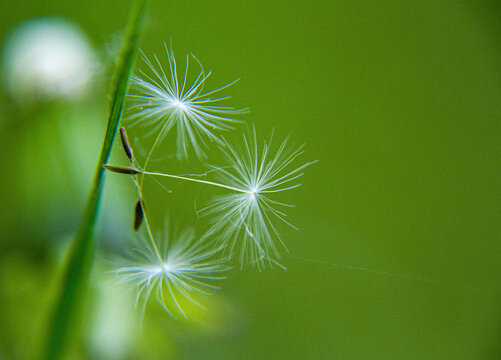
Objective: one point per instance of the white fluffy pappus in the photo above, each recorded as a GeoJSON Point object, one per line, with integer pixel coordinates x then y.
{"type": "Point", "coordinates": [246, 218]}
{"type": "Point", "coordinates": [174, 271]}
{"type": "Point", "coordinates": [164, 101]}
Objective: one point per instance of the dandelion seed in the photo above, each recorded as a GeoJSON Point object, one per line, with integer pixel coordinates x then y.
{"type": "Point", "coordinates": [126, 145]}
{"type": "Point", "coordinates": [251, 212]}
{"type": "Point", "coordinates": [175, 273]}
{"type": "Point", "coordinates": [138, 214]}
{"type": "Point", "coordinates": [122, 169]}
{"type": "Point", "coordinates": [163, 101]}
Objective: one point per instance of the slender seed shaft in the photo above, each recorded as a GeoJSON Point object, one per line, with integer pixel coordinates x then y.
{"type": "Point", "coordinates": [146, 222]}
{"type": "Point", "coordinates": [194, 180]}
{"type": "Point", "coordinates": [157, 140]}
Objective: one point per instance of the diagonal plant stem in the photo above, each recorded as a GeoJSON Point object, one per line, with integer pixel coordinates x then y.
{"type": "Point", "coordinates": [76, 277]}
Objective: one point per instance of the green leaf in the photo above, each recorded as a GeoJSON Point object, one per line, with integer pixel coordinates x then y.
{"type": "Point", "coordinates": [75, 282]}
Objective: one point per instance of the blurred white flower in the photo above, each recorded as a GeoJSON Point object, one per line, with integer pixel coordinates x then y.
{"type": "Point", "coordinates": [250, 213]}
{"type": "Point", "coordinates": [47, 58]}
{"type": "Point", "coordinates": [173, 272]}
{"type": "Point", "coordinates": [165, 101]}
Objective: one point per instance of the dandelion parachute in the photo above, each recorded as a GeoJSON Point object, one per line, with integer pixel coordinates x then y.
{"type": "Point", "coordinates": [247, 218]}
{"type": "Point", "coordinates": [175, 272]}
{"type": "Point", "coordinates": [164, 101]}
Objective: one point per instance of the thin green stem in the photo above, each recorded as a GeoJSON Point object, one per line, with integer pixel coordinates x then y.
{"type": "Point", "coordinates": [155, 144]}
{"type": "Point", "coordinates": [195, 180]}
{"type": "Point", "coordinates": [74, 284]}
{"type": "Point", "coordinates": [147, 223]}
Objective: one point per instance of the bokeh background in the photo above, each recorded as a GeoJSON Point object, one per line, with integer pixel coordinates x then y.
{"type": "Point", "coordinates": [398, 100]}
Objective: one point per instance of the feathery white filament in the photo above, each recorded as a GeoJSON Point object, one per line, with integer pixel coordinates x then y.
{"type": "Point", "coordinates": [176, 273]}
{"type": "Point", "coordinates": [247, 218]}
{"type": "Point", "coordinates": [164, 102]}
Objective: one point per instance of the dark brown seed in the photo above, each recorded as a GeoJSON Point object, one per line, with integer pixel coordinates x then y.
{"type": "Point", "coordinates": [126, 144]}
{"type": "Point", "coordinates": [138, 215]}
{"type": "Point", "coordinates": [122, 169]}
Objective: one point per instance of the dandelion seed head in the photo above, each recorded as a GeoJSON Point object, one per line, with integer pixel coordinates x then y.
{"type": "Point", "coordinates": [167, 268]}
{"type": "Point", "coordinates": [181, 272]}
{"type": "Point", "coordinates": [181, 106]}
{"type": "Point", "coordinates": [165, 101]}
{"type": "Point", "coordinates": [248, 217]}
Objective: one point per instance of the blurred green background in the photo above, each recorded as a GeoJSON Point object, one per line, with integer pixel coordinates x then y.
{"type": "Point", "coordinates": [400, 103]}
